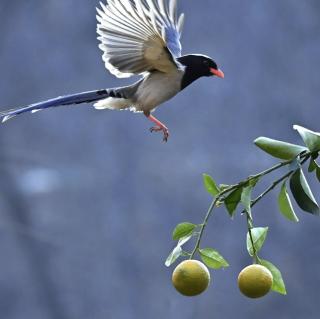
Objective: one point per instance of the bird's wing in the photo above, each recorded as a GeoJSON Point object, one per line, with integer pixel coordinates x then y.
{"type": "Point", "coordinates": [138, 36]}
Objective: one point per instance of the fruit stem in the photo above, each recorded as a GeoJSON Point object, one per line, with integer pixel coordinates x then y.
{"type": "Point", "coordinates": [204, 224]}
{"type": "Point", "coordinates": [250, 226]}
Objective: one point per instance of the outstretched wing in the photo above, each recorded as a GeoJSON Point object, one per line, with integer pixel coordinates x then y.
{"type": "Point", "coordinates": [138, 36]}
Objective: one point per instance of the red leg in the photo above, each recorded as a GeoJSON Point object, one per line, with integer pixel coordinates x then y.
{"type": "Point", "coordinates": [159, 126]}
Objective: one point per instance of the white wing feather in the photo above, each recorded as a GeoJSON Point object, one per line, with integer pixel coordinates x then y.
{"type": "Point", "coordinates": [138, 36]}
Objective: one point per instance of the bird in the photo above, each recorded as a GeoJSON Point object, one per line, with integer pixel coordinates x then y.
{"type": "Point", "coordinates": [138, 38]}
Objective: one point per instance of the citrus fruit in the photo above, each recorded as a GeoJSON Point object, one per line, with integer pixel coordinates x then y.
{"type": "Point", "coordinates": [191, 277]}
{"type": "Point", "coordinates": [255, 281]}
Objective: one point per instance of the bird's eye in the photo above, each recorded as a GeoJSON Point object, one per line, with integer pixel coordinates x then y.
{"type": "Point", "coordinates": [206, 62]}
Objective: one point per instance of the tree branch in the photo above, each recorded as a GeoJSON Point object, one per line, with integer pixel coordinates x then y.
{"type": "Point", "coordinates": [220, 197]}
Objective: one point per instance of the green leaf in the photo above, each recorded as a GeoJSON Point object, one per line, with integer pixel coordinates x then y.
{"type": "Point", "coordinates": [278, 283]}
{"type": "Point", "coordinates": [310, 138]}
{"type": "Point", "coordinates": [279, 149]}
{"type": "Point", "coordinates": [212, 258]}
{"type": "Point", "coordinates": [312, 165]}
{"type": "Point", "coordinates": [210, 185]}
{"type": "Point", "coordinates": [174, 255]}
{"type": "Point", "coordinates": [318, 173]}
{"type": "Point", "coordinates": [182, 230]}
{"type": "Point", "coordinates": [302, 193]}
{"type": "Point", "coordinates": [184, 239]}
{"type": "Point", "coordinates": [177, 251]}
{"type": "Point", "coordinates": [246, 199]}
{"type": "Point", "coordinates": [259, 235]}
{"type": "Point", "coordinates": [232, 200]}
{"type": "Point", "coordinates": [285, 204]}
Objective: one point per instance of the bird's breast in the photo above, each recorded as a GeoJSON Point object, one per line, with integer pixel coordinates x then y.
{"type": "Point", "coordinates": [156, 88]}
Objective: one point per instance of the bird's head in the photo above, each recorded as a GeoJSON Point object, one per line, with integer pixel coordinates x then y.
{"type": "Point", "coordinates": [197, 66]}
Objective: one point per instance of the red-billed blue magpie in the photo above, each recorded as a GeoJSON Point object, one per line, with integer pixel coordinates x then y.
{"type": "Point", "coordinates": [138, 37]}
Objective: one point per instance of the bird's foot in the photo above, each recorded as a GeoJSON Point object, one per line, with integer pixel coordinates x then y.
{"type": "Point", "coordinates": [163, 129]}
{"type": "Point", "coordinates": [160, 127]}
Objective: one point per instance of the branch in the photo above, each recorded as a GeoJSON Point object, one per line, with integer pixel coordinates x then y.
{"type": "Point", "coordinates": [220, 197]}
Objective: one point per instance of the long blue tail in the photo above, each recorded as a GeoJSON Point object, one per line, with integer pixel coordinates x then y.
{"type": "Point", "coordinates": [84, 97]}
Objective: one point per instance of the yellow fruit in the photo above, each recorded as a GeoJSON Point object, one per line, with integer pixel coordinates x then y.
{"type": "Point", "coordinates": [255, 281]}
{"type": "Point", "coordinates": [191, 277]}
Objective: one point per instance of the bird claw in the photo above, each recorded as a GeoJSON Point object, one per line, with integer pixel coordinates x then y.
{"type": "Point", "coordinates": [159, 129]}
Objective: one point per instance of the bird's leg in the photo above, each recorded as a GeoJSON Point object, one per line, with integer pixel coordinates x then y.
{"type": "Point", "coordinates": [159, 126]}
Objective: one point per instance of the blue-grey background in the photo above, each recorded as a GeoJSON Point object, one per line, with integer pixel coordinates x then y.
{"type": "Point", "coordinates": [88, 199]}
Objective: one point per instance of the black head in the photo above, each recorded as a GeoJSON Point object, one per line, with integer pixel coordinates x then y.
{"type": "Point", "coordinates": [198, 66]}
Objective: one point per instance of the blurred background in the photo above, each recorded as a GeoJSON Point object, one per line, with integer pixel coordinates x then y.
{"type": "Point", "coordinates": [88, 199]}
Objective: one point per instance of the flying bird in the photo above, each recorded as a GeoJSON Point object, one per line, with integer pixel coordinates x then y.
{"type": "Point", "coordinates": [138, 37]}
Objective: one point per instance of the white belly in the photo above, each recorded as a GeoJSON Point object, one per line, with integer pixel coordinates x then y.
{"type": "Point", "coordinates": [157, 88]}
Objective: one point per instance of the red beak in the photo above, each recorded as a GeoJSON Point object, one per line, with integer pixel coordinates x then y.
{"type": "Point", "coordinates": [218, 73]}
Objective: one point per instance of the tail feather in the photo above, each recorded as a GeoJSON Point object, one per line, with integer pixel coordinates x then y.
{"type": "Point", "coordinates": [84, 97]}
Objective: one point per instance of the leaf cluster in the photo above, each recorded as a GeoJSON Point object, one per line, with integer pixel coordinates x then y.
{"type": "Point", "coordinates": [296, 155]}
